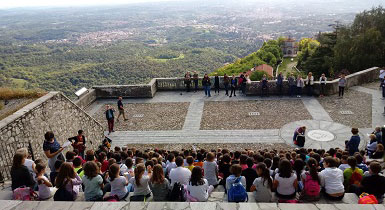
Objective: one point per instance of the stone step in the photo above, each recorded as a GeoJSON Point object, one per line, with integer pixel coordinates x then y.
{"type": "Point", "coordinates": [49, 205]}
{"type": "Point", "coordinates": [216, 197]}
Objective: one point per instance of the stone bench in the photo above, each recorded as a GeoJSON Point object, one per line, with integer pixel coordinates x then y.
{"type": "Point", "coordinates": [49, 205]}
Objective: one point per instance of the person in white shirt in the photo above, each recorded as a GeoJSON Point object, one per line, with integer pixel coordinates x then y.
{"type": "Point", "coordinates": [285, 181]}
{"type": "Point", "coordinates": [198, 188]}
{"type": "Point", "coordinates": [30, 164]}
{"type": "Point", "coordinates": [118, 183]}
{"type": "Point", "coordinates": [332, 180]}
{"type": "Point", "coordinates": [309, 84]}
{"type": "Point", "coordinates": [300, 85]}
{"type": "Point", "coordinates": [180, 174]}
{"type": "Point", "coordinates": [44, 185]}
{"type": "Point", "coordinates": [170, 164]}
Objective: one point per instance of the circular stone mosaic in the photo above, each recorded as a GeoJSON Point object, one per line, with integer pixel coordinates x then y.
{"type": "Point", "coordinates": [320, 135]}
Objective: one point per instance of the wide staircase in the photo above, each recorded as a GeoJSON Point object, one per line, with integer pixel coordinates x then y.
{"type": "Point", "coordinates": [217, 201]}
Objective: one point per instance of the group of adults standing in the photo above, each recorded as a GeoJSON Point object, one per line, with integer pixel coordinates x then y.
{"type": "Point", "coordinates": [229, 83]}
{"type": "Point", "coordinates": [296, 84]}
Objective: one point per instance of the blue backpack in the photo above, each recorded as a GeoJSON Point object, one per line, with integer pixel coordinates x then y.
{"type": "Point", "coordinates": [237, 192]}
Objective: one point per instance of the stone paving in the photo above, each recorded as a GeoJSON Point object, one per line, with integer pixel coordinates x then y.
{"type": "Point", "coordinates": [191, 133]}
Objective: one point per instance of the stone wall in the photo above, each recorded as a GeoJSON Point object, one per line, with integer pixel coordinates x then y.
{"type": "Point", "coordinates": [52, 112]}
{"type": "Point", "coordinates": [86, 99]}
{"type": "Point", "coordinates": [135, 91]}
{"type": "Point", "coordinates": [254, 88]}
{"type": "Point", "coordinates": [361, 77]}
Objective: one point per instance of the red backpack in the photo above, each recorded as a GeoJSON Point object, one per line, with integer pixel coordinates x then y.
{"type": "Point", "coordinates": [311, 186]}
{"type": "Point", "coordinates": [355, 178]}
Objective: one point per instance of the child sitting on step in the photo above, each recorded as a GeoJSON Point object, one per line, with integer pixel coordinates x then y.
{"type": "Point", "coordinates": [198, 188]}
{"type": "Point", "coordinates": [45, 186]}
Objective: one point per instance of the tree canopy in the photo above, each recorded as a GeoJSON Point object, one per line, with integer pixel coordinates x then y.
{"type": "Point", "coordinates": [349, 48]}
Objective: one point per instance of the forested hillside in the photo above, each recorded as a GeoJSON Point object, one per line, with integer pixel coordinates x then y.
{"type": "Point", "coordinates": [350, 48]}
{"type": "Point", "coordinates": [68, 48]}
{"type": "Point", "coordinates": [270, 53]}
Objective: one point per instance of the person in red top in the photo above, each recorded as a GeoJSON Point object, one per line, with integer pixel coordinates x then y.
{"type": "Point", "coordinates": [103, 161]}
{"type": "Point", "coordinates": [299, 132]}
{"type": "Point", "coordinates": [79, 143]}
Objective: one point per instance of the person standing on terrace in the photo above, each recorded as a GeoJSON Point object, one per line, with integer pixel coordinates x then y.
{"type": "Point", "coordinates": [226, 82]}
{"type": "Point", "coordinates": [309, 84]}
{"type": "Point", "coordinates": [216, 83]}
{"type": "Point", "coordinates": [195, 79]}
{"type": "Point", "coordinates": [292, 84]}
{"type": "Point", "coordinates": [233, 83]}
{"type": "Point", "coordinates": [187, 81]}
{"type": "Point", "coordinates": [341, 85]}
{"type": "Point", "coordinates": [121, 109]}
{"type": "Point", "coordinates": [279, 83]}
{"type": "Point", "coordinates": [322, 84]}
{"type": "Point", "coordinates": [300, 85]}
{"type": "Point", "coordinates": [110, 118]}
{"type": "Point", "coordinates": [206, 83]}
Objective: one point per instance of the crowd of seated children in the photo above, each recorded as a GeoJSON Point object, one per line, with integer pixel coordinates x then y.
{"type": "Point", "coordinates": [303, 174]}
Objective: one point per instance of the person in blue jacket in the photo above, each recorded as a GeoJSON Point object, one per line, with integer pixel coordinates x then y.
{"type": "Point", "coordinates": [354, 142]}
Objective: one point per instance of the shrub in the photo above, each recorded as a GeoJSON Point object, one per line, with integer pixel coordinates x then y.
{"type": "Point", "coordinates": [9, 93]}
{"type": "Point", "coordinates": [257, 76]}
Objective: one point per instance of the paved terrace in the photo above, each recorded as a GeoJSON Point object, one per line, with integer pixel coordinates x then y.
{"type": "Point", "coordinates": [324, 132]}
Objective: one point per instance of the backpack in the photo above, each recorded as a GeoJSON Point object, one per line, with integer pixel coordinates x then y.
{"type": "Point", "coordinates": [111, 198]}
{"type": "Point", "coordinates": [237, 192]}
{"type": "Point", "coordinates": [80, 170]}
{"type": "Point", "coordinates": [300, 140]}
{"type": "Point", "coordinates": [365, 198]}
{"type": "Point", "coordinates": [312, 187]}
{"type": "Point", "coordinates": [355, 178]}
{"type": "Point", "coordinates": [240, 81]}
{"type": "Point", "coordinates": [24, 193]}
{"type": "Point", "coordinates": [177, 193]}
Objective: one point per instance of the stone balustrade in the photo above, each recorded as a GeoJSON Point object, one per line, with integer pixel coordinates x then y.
{"type": "Point", "coordinates": [177, 84]}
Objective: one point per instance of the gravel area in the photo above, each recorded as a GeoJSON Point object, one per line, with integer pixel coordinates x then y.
{"type": "Point", "coordinates": [208, 146]}
{"type": "Point", "coordinates": [357, 102]}
{"type": "Point", "coordinates": [372, 85]}
{"type": "Point", "coordinates": [234, 115]}
{"type": "Point", "coordinates": [149, 116]}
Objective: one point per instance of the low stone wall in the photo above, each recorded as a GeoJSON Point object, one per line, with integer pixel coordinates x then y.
{"type": "Point", "coordinates": [52, 112]}
{"type": "Point", "coordinates": [126, 91]}
{"type": "Point", "coordinates": [358, 78]}
{"type": "Point", "coordinates": [253, 88]}
{"type": "Point", "coordinates": [86, 99]}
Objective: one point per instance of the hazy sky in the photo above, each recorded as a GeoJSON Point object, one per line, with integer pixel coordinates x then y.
{"type": "Point", "coordinates": [37, 3]}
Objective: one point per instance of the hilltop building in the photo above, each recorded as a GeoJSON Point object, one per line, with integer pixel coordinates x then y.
{"type": "Point", "coordinates": [264, 67]}
{"type": "Point", "coordinates": [289, 48]}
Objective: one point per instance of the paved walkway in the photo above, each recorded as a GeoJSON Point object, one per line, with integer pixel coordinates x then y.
{"type": "Point", "coordinates": [194, 116]}
{"type": "Point", "coordinates": [191, 132]}
{"type": "Point", "coordinates": [378, 105]}
{"type": "Point", "coordinates": [121, 138]}
{"type": "Point", "coordinates": [315, 109]}
{"type": "Point", "coordinates": [321, 134]}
